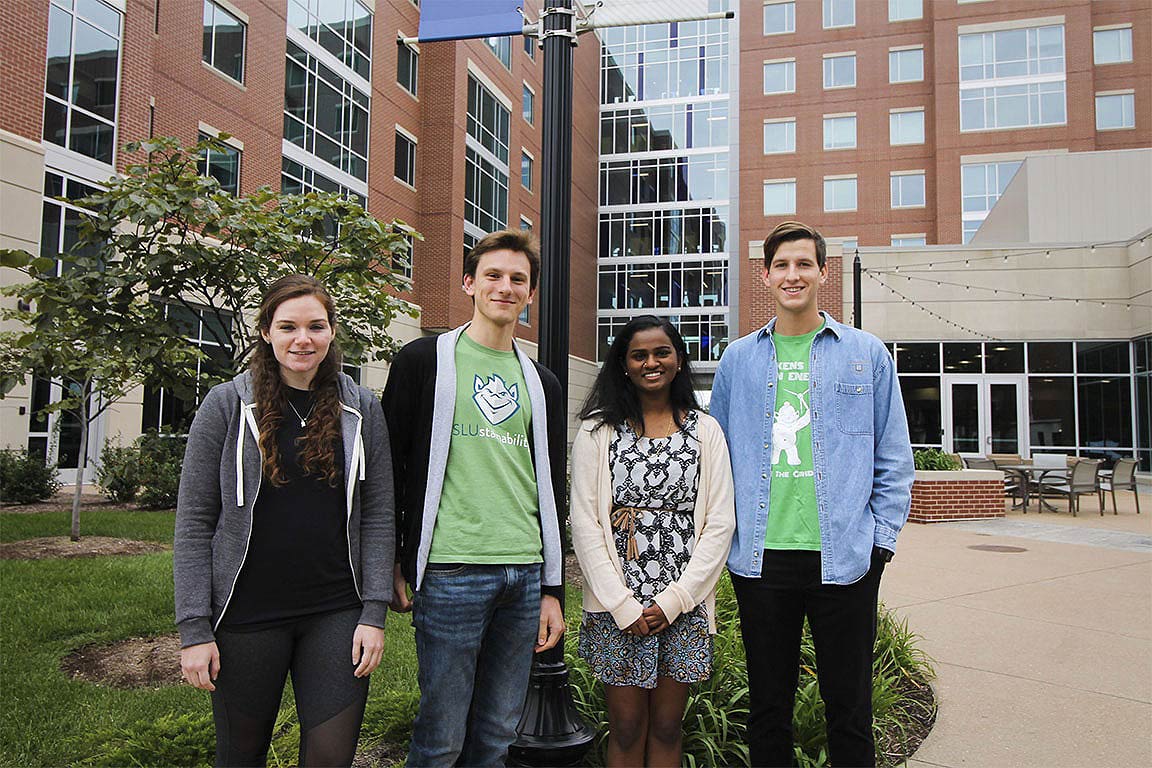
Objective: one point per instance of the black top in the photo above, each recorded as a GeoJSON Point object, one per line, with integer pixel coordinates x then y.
{"type": "Point", "coordinates": [408, 400]}
{"type": "Point", "coordinates": [297, 563]}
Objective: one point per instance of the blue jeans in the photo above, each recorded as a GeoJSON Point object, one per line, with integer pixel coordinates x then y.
{"type": "Point", "coordinates": [476, 631]}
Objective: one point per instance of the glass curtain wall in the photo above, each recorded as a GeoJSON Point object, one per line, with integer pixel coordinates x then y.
{"type": "Point", "coordinates": [1079, 396]}
{"type": "Point", "coordinates": [664, 181]}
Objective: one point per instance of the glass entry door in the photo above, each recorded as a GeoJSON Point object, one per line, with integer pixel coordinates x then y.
{"type": "Point", "coordinates": [55, 436]}
{"type": "Point", "coordinates": [984, 414]}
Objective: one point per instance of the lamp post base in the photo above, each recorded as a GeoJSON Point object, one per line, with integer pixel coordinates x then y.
{"type": "Point", "coordinates": [551, 732]}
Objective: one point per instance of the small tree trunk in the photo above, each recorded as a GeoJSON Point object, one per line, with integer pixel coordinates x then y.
{"type": "Point", "coordinates": [83, 464]}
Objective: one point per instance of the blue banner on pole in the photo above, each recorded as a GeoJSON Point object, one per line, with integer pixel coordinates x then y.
{"type": "Point", "coordinates": [463, 19]}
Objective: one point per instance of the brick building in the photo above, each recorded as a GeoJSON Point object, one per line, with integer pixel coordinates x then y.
{"type": "Point", "coordinates": [313, 95]}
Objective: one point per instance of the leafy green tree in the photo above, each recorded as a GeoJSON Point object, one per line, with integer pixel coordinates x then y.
{"type": "Point", "coordinates": [84, 327]}
{"type": "Point", "coordinates": [163, 234]}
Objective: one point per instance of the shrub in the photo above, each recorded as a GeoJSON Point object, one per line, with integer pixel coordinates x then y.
{"type": "Point", "coordinates": [935, 459]}
{"type": "Point", "coordinates": [25, 478]}
{"type": "Point", "coordinates": [118, 476]}
{"type": "Point", "coordinates": [715, 718]}
{"type": "Point", "coordinates": [160, 459]}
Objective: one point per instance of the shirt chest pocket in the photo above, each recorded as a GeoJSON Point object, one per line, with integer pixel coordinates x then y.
{"type": "Point", "coordinates": [854, 407]}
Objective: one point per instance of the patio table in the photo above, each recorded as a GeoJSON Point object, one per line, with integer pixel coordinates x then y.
{"type": "Point", "coordinates": [1033, 476]}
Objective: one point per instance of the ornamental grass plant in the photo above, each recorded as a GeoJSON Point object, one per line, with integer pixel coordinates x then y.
{"type": "Point", "coordinates": [716, 715]}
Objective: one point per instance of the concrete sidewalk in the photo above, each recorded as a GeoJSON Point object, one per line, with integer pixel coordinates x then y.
{"type": "Point", "coordinates": [1041, 629]}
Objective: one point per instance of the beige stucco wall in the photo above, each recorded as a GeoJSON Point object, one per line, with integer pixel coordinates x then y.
{"type": "Point", "coordinates": [1074, 197]}
{"type": "Point", "coordinates": [21, 196]}
{"type": "Point", "coordinates": [984, 297]}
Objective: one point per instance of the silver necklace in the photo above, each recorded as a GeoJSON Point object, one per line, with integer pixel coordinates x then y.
{"type": "Point", "coordinates": [303, 419]}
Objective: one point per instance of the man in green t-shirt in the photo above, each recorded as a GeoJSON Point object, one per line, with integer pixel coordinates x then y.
{"type": "Point", "coordinates": [815, 425]}
{"type": "Point", "coordinates": [478, 440]}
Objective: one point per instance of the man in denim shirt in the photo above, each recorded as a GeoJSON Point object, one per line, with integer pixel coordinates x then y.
{"type": "Point", "coordinates": [823, 469]}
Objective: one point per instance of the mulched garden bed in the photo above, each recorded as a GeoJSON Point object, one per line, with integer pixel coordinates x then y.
{"type": "Point", "coordinates": [138, 662]}
{"type": "Point", "coordinates": [88, 546]}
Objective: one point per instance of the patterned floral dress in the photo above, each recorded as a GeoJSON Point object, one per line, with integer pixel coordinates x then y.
{"type": "Point", "coordinates": [654, 483]}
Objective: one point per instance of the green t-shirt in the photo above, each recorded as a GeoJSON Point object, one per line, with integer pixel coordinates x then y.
{"type": "Point", "coordinates": [792, 517]}
{"type": "Point", "coordinates": [488, 507]}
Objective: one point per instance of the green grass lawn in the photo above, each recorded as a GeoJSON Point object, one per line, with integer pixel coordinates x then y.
{"type": "Point", "coordinates": [118, 523]}
{"type": "Point", "coordinates": [51, 607]}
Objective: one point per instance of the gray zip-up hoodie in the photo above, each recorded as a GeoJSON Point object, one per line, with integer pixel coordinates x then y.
{"type": "Point", "coordinates": [221, 479]}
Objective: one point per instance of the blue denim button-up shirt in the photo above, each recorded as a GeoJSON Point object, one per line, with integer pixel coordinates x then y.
{"type": "Point", "coordinates": [860, 447]}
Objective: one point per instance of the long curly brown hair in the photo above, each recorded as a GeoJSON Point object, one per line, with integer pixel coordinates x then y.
{"type": "Point", "coordinates": [317, 446]}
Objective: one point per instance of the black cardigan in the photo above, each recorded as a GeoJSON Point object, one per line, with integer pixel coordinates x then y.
{"type": "Point", "coordinates": [408, 402]}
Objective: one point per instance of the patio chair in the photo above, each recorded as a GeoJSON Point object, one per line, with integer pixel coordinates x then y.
{"type": "Point", "coordinates": [1082, 479]}
{"type": "Point", "coordinates": [1013, 482]}
{"type": "Point", "coordinates": [1124, 478]}
{"type": "Point", "coordinates": [1053, 460]}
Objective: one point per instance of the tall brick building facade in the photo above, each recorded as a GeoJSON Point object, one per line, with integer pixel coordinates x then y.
{"type": "Point", "coordinates": [312, 95]}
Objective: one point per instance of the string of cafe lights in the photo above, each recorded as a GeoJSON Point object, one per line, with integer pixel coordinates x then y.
{"type": "Point", "coordinates": [1046, 252]}
{"type": "Point", "coordinates": [908, 300]}
{"type": "Point", "coordinates": [1003, 291]}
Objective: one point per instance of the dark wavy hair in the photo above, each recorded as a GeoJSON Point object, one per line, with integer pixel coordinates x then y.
{"type": "Point", "coordinates": [317, 446]}
{"type": "Point", "coordinates": [613, 398]}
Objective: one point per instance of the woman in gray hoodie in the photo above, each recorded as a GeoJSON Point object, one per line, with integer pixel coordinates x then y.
{"type": "Point", "coordinates": [285, 538]}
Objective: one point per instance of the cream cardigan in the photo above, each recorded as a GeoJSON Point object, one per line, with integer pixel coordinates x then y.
{"type": "Point", "coordinates": [594, 540]}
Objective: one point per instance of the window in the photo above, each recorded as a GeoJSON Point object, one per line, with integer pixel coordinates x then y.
{"type": "Point", "coordinates": [1112, 46]}
{"type": "Point", "coordinates": [210, 331]}
{"type": "Point", "coordinates": [840, 132]}
{"type": "Point", "coordinates": [488, 120]}
{"type": "Point", "coordinates": [526, 170]}
{"type": "Point", "coordinates": [779, 17]}
{"type": "Point", "coordinates": [525, 224]}
{"type": "Point", "coordinates": [664, 127]}
{"type": "Point", "coordinates": [528, 105]}
{"type": "Point", "coordinates": [82, 79]}
{"type": "Point", "coordinates": [981, 185]}
{"type": "Point", "coordinates": [407, 66]}
{"type": "Point", "coordinates": [840, 70]}
{"type": "Point", "coordinates": [780, 197]}
{"type": "Point", "coordinates": [848, 244]}
{"type": "Point", "coordinates": [297, 179]}
{"type": "Point", "coordinates": [1012, 78]}
{"type": "Point", "coordinates": [405, 162]}
{"type": "Point", "coordinates": [780, 76]}
{"type": "Point", "coordinates": [325, 114]}
{"type": "Point", "coordinates": [485, 163]}
{"type": "Point", "coordinates": [907, 240]}
{"type": "Point", "coordinates": [908, 189]}
{"type": "Point", "coordinates": [840, 193]}
{"type": "Point", "coordinates": [663, 61]}
{"type": "Point", "coordinates": [780, 136]}
{"type": "Point", "coordinates": [501, 48]}
{"type": "Point", "coordinates": [904, 10]}
{"type": "Point", "coordinates": [839, 13]}
{"type": "Point", "coordinates": [696, 177]}
{"type": "Point", "coordinates": [1115, 111]}
{"type": "Point", "coordinates": [60, 220]}
{"type": "Point", "coordinates": [341, 27]}
{"type": "Point", "coordinates": [221, 161]}
{"type": "Point", "coordinates": [906, 65]}
{"type": "Point", "coordinates": [530, 46]}
{"type": "Point", "coordinates": [402, 257]}
{"type": "Point", "coordinates": [669, 232]}
{"type": "Point", "coordinates": [224, 36]}
{"type": "Point", "coordinates": [906, 126]}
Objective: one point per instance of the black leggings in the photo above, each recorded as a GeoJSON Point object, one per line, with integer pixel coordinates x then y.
{"type": "Point", "coordinates": [329, 698]}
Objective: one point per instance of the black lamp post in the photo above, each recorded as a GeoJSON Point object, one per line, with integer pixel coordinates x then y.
{"type": "Point", "coordinates": [551, 732]}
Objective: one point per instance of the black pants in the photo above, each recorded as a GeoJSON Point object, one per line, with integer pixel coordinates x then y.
{"type": "Point", "coordinates": [330, 700]}
{"type": "Point", "coordinates": [843, 622]}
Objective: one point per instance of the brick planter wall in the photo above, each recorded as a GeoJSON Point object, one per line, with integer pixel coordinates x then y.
{"type": "Point", "coordinates": [969, 494]}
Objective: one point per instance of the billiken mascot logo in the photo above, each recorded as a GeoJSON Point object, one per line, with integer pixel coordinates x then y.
{"type": "Point", "coordinates": [495, 399]}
